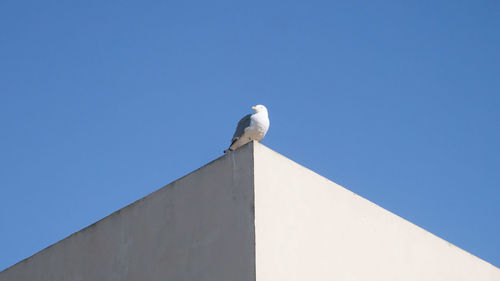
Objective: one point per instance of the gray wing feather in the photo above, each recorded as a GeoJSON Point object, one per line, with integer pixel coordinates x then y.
{"type": "Point", "coordinates": [240, 129]}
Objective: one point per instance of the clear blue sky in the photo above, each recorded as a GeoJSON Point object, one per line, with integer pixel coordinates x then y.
{"type": "Point", "coordinates": [103, 102]}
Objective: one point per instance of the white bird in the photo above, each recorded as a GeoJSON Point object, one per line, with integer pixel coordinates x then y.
{"type": "Point", "coordinates": [251, 127]}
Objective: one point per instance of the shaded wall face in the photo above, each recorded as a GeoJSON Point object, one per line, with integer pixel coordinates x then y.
{"type": "Point", "coordinates": [197, 228]}
{"type": "Point", "coordinates": [309, 228]}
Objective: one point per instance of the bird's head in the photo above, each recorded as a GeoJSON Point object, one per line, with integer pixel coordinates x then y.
{"type": "Point", "coordinates": [259, 108]}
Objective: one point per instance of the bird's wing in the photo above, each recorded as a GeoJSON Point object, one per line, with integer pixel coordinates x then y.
{"type": "Point", "coordinates": [240, 129]}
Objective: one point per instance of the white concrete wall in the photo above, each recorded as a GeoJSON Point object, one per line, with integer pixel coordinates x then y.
{"type": "Point", "coordinates": [199, 227]}
{"type": "Point", "coordinates": [309, 228]}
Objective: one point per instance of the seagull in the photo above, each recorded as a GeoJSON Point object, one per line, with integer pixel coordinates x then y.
{"type": "Point", "coordinates": [251, 127]}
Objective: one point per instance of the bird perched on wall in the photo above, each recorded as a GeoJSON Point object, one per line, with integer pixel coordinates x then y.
{"type": "Point", "coordinates": [251, 127]}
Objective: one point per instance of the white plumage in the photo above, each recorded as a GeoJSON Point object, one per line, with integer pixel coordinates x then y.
{"type": "Point", "coordinates": [251, 127]}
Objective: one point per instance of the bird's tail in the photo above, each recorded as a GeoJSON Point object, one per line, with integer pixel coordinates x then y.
{"type": "Point", "coordinates": [227, 150]}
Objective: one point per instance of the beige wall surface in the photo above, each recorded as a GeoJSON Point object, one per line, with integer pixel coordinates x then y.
{"type": "Point", "coordinates": [252, 215]}
{"type": "Point", "coordinates": [309, 228]}
{"type": "Point", "coordinates": [199, 227]}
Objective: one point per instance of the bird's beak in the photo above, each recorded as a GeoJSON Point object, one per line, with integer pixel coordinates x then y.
{"type": "Point", "coordinates": [254, 108]}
